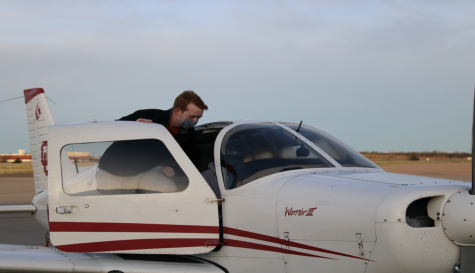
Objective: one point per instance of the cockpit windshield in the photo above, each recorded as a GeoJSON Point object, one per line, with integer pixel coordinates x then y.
{"type": "Point", "coordinates": [341, 153]}
{"type": "Point", "coordinates": [252, 151]}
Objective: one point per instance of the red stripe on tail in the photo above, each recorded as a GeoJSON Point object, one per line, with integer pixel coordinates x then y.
{"type": "Point", "coordinates": [31, 93]}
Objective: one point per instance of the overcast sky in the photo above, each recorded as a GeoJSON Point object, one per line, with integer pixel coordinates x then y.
{"type": "Point", "coordinates": [378, 75]}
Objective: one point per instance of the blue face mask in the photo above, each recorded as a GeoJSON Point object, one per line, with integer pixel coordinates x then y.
{"type": "Point", "coordinates": [187, 123]}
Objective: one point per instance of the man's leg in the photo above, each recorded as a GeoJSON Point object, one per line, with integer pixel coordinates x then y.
{"type": "Point", "coordinates": [155, 181]}
{"type": "Point", "coordinates": [109, 184]}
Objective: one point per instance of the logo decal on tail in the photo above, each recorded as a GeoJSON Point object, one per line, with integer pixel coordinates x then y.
{"type": "Point", "coordinates": [38, 111]}
{"type": "Point", "coordinates": [44, 156]}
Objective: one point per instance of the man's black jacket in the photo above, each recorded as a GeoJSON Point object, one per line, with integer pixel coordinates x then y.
{"type": "Point", "coordinates": [128, 158]}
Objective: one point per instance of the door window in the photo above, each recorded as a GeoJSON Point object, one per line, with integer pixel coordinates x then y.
{"type": "Point", "coordinates": [120, 167]}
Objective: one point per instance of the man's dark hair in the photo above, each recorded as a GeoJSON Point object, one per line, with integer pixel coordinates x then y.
{"type": "Point", "coordinates": [187, 97]}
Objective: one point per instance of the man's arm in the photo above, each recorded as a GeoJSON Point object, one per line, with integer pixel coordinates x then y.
{"type": "Point", "coordinates": [140, 114]}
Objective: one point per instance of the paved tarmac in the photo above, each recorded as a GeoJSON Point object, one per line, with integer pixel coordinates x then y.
{"type": "Point", "coordinates": [20, 228]}
{"type": "Point", "coordinates": [16, 189]}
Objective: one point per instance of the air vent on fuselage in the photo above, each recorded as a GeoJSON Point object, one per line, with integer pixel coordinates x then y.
{"type": "Point", "coordinates": [416, 214]}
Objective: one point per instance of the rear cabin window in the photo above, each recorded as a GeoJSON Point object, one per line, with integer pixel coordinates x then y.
{"type": "Point", "coordinates": [120, 167]}
{"type": "Point", "coordinates": [252, 151]}
{"type": "Point", "coordinates": [341, 153]}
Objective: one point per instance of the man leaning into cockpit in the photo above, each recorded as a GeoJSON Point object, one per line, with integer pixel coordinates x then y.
{"type": "Point", "coordinates": [115, 167]}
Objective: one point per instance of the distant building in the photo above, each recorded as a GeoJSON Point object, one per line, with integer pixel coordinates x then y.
{"type": "Point", "coordinates": [81, 156]}
{"type": "Point", "coordinates": [12, 157]}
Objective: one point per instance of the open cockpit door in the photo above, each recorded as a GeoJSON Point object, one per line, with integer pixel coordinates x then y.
{"type": "Point", "coordinates": [127, 187]}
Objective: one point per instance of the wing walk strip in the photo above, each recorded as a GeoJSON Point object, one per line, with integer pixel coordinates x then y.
{"type": "Point", "coordinates": [135, 244]}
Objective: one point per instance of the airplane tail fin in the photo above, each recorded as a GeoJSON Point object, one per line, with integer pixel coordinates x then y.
{"type": "Point", "coordinates": [39, 117]}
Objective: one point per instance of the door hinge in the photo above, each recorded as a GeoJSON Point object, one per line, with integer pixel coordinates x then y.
{"type": "Point", "coordinates": [360, 243]}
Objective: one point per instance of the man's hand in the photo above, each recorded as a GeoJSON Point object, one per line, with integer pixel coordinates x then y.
{"type": "Point", "coordinates": [168, 171]}
{"type": "Point", "coordinates": [144, 120]}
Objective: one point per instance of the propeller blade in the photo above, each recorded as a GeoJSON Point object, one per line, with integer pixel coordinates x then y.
{"type": "Point", "coordinates": [472, 192]}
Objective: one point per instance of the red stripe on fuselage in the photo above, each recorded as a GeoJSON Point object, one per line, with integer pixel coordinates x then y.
{"type": "Point", "coordinates": [140, 244]}
{"type": "Point", "coordinates": [270, 239]}
{"type": "Point", "coordinates": [128, 227]}
{"type": "Point", "coordinates": [162, 228]}
{"type": "Point", "coordinates": [252, 235]}
{"type": "Point", "coordinates": [31, 93]}
{"type": "Point", "coordinates": [243, 244]}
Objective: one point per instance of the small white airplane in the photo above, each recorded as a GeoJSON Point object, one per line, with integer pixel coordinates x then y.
{"type": "Point", "coordinates": [267, 197]}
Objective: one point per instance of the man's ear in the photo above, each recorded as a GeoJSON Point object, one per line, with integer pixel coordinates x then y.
{"type": "Point", "coordinates": [176, 111]}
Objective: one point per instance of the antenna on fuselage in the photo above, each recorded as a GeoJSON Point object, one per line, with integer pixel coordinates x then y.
{"type": "Point", "coordinates": [301, 125]}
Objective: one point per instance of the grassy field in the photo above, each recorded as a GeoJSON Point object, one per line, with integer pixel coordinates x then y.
{"type": "Point", "coordinates": [386, 163]}
{"type": "Point", "coordinates": [14, 168]}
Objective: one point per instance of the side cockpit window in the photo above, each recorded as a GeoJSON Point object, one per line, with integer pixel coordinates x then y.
{"type": "Point", "coordinates": [252, 151]}
{"type": "Point", "coordinates": [120, 167]}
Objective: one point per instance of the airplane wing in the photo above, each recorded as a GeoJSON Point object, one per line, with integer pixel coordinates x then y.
{"type": "Point", "coordinates": [16, 258]}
